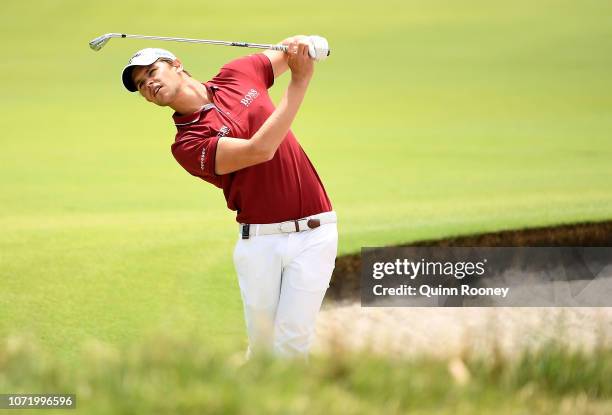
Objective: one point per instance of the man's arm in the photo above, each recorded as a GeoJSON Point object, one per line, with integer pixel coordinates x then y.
{"type": "Point", "coordinates": [234, 154]}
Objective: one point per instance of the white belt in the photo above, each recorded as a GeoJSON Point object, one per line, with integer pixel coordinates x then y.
{"type": "Point", "coordinates": [310, 222]}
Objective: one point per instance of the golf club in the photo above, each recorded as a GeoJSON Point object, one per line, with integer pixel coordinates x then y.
{"type": "Point", "coordinates": [99, 42]}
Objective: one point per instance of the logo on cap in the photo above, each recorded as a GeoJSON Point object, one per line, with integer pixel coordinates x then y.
{"type": "Point", "coordinates": [134, 57]}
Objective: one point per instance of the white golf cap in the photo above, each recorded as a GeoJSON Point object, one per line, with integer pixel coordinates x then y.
{"type": "Point", "coordinates": [143, 57]}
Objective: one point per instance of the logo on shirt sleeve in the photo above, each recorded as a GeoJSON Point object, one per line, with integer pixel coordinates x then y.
{"type": "Point", "coordinates": [223, 131]}
{"type": "Point", "coordinates": [202, 158]}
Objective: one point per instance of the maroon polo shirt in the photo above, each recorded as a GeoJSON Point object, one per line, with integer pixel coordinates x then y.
{"type": "Point", "coordinates": [285, 188]}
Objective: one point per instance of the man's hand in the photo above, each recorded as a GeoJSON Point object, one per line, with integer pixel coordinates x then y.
{"type": "Point", "coordinates": [318, 50]}
{"type": "Point", "coordinates": [298, 59]}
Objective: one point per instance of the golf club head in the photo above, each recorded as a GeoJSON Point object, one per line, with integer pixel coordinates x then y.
{"type": "Point", "coordinates": [99, 42]}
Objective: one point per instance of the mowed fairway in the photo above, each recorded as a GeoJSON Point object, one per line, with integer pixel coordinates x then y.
{"type": "Point", "coordinates": [430, 119]}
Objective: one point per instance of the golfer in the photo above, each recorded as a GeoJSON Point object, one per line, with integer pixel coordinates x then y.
{"type": "Point", "coordinates": [230, 134]}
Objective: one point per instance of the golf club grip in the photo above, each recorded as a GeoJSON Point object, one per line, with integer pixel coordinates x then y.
{"type": "Point", "coordinates": [280, 48]}
{"type": "Point", "coordinates": [284, 48]}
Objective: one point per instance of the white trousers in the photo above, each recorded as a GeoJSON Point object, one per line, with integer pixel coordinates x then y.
{"type": "Point", "coordinates": [283, 279]}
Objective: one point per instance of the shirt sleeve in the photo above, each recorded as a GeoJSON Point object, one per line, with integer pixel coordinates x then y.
{"type": "Point", "coordinates": [256, 67]}
{"type": "Point", "coordinates": [196, 154]}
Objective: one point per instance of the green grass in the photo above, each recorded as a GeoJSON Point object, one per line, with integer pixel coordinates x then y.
{"type": "Point", "coordinates": [430, 119]}
{"type": "Point", "coordinates": [174, 374]}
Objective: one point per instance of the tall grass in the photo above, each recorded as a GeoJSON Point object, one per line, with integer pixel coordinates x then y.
{"type": "Point", "coordinates": [168, 373]}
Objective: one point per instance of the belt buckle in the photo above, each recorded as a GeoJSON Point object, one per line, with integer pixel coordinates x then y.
{"type": "Point", "coordinates": [286, 227]}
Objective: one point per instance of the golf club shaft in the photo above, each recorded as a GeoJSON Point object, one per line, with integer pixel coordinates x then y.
{"type": "Point", "coordinates": [282, 48]}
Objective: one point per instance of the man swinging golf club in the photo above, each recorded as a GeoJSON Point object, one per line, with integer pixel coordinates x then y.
{"type": "Point", "coordinates": [230, 134]}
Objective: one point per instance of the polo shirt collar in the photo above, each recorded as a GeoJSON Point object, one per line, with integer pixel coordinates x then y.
{"type": "Point", "coordinates": [186, 119]}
